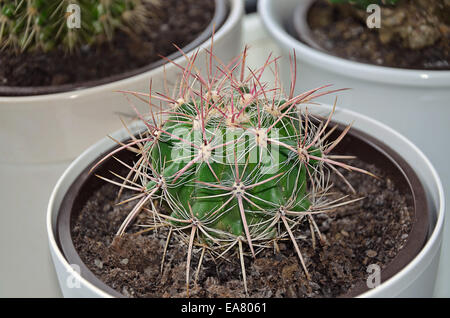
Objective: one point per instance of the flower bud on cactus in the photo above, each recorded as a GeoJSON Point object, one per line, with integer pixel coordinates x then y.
{"type": "Point", "coordinates": [236, 163]}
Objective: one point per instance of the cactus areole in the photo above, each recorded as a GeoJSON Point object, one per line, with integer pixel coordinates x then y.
{"type": "Point", "coordinates": [237, 164]}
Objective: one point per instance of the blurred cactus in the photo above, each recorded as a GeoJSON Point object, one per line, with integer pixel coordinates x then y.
{"type": "Point", "coordinates": [42, 24]}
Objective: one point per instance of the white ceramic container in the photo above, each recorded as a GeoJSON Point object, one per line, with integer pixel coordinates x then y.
{"type": "Point", "coordinates": [414, 102]}
{"type": "Point", "coordinates": [58, 127]}
{"type": "Point", "coordinates": [415, 280]}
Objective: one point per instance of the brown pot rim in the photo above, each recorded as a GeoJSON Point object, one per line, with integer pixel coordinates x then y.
{"type": "Point", "coordinates": [220, 14]}
{"type": "Point", "coordinates": [416, 238]}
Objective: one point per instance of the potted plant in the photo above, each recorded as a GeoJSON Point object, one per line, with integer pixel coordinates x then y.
{"type": "Point", "coordinates": [412, 99]}
{"type": "Point", "coordinates": [398, 33]}
{"type": "Point", "coordinates": [374, 71]}
{"type": "Point", "coordinates": [57, 58]}
{"type": "Point", "coordinates": [242, 190]}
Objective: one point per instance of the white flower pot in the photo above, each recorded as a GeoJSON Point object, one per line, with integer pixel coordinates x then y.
{"type": "Point", "coordinates": [414, 280]}
{"type": "Point", "coordinates": [58, 127]}
{"type": "Point", "coordinates": [414, 102]}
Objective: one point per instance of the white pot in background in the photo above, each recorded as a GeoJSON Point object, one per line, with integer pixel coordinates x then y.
{"type": "Point", "coordinates": [414, 280]}
{"type": "Point", "coordinates": [58, 127]}
{"type": "Point", "coordinates": [414, 102]}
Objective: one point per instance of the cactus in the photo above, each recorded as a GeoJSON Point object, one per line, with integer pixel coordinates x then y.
{"type": "Point", "coordinates": [237, 164]}
{"type": "Point", "coordinates": [42, 24]}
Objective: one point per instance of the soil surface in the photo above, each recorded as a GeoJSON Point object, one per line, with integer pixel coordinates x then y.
{"type": "Point", "coordinates": [370, 231]}
{"type": "Point", "coordinates": [413, 34]}
{"type": "Point", "coordinates": [178, 22]}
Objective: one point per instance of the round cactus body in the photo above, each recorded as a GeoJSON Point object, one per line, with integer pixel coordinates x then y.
{"type": "Point", "coordinates": [232, 174]}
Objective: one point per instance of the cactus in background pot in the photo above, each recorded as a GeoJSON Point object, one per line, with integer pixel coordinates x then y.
{"type": "Point", "coordinates": [42, 24]}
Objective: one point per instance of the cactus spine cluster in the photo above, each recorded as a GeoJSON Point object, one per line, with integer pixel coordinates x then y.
{"type": "Point", "coordinates": [42, 24]}
{"type": "Point", "coordinates": [238, 164]}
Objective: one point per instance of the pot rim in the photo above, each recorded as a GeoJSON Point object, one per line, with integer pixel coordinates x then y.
{"type": "Point", "coordinates": [341, 66]}
{"type": "Point", "coordinates": [225, 13]}
{"type": "Point", "coordinates": [431, 241]}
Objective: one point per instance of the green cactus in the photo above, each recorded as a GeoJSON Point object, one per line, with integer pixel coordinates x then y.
{"type": "Point", "coordinates": [42, 24]}
{"type": "Point", "coordinates": [233, 162]}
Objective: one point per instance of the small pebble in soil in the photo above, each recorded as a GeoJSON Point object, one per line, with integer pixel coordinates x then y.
{"type": "Point", "coordinates": [98, 263]}
{"type": "Point", "coordinates": [371, 253]}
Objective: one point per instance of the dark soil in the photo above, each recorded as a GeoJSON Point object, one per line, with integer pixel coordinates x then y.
{"type": "Point", "coordinates": [342, 33]}
{"type": "Point", "coordinates": [179, 22]}
{"type": "Point", "coordinates": [371, 231]}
